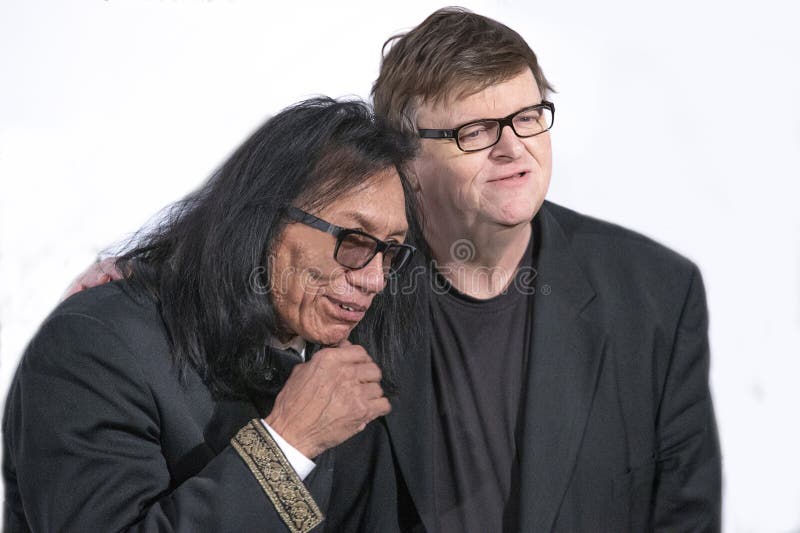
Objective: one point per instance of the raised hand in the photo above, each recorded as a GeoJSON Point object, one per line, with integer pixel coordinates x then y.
{"type": "Point", "coordinates": [329, 399]}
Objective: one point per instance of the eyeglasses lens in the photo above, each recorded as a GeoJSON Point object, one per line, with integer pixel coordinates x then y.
{"type": "Point", "coordinates": [356, 250]}
{"type": "Point", "coordinates": [532, 121]}
{"type": "Point", "coordinates": [478, 135]}
{"type": "Point", "coordinates": [527, 123]}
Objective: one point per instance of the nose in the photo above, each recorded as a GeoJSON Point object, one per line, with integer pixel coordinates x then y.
{"type": "Point", "coordinates": [509, 146]}
{"type": "Point", "coordinates": [371, 278]}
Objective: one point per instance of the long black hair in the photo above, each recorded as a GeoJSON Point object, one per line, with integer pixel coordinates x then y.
{"type": "Point", "coordinates": [206, 261]}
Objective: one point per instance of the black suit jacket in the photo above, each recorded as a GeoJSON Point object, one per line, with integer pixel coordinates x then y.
{"type": "Point", "coordinates": [100, 433]}
{"type": "Point", "coordinates": [617, 430]}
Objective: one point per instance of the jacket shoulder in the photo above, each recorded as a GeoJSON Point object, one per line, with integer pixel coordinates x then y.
{"type": "Point", "coordinates": [597, 239]}
{"type": "Point", "coordinates": [110, 303]}
{"type": "Point", "coordinates": [110, 324]}
{"type": "Point", "coordinates": [628, 270]}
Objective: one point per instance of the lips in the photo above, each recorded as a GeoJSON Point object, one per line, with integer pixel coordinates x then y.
{"type": "Point", "coordinates": [347, 311]}
{"type": "Point", "coordinates": [515, 175]}
{"type": "Point", "coordinates": [349, 306]}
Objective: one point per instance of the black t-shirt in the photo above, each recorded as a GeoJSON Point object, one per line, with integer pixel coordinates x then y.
{"type": "Point", "coordinates": [479, 353]}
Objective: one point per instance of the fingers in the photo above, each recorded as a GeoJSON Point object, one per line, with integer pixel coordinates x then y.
{"type": "Point", "coordinates": [380, 407]}
{"type": "Point", "coordinates": [347, 354]}
{"type": "Point", "coordinates": [368, 372]}
{"type": "Point", "coordinates": [108, 267]}
{"type": "Point", "coordinates": [375, 408]}
{"type": "Point", "coordinates": [74, 288]}
{"type": "Point", "coordinates": [328, 399]}
{"type": "Point", "coordinates": [372, 391]}
{"type": "Point", "coordinates": [96, 274]}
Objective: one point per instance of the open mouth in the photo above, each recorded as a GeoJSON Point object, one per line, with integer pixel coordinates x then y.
{"type": "Point", "coordinates": [348, 306]}
{"type": "Point", "coordinates": [345, 311]}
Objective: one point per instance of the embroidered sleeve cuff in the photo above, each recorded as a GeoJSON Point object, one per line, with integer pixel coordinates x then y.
{"type": "Point", "coordinates": [301, 464]}
{"type": "Point", "coordinates": [277, 478]}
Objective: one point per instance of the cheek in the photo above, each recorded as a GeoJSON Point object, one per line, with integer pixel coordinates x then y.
{"type": "Point", "coordinates": [315, 321]}
{"type": "Point", "coordinates": [447, 180]}
{"type": "Point", "coordinates": [542, 152]}
{"type": "Point", "coordinates": [282, 294]}
{"type": "Point", "coordinates": [298, 302]}
{"type": "Point", "coordinates": [290, 286]}
{"type": "Point", "coordinates": [337, 285]}
{"type": "Point", "coordinates": [299, 270]}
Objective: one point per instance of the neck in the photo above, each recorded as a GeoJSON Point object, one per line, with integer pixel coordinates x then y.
{"type": "Point", "coordinates": [479, 261]}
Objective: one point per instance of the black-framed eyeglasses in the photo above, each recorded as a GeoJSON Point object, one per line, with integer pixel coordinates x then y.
{"type": "Point", "coordinates": [354, 248]}
{"type": "Point", "coordinates": [481, 134]}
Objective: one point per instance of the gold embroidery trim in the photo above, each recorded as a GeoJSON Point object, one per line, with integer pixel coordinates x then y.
{"type": "Point", "coordinates": [280, 482]}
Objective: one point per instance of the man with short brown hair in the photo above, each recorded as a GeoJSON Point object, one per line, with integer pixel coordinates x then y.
{"type": "Point", "coordinates": [564, 382]}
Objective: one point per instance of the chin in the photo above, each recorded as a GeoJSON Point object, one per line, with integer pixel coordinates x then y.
{"type": "Point", "coordinates": [516, 215]}
{"type": "Point", "coordinates": [332, 336]}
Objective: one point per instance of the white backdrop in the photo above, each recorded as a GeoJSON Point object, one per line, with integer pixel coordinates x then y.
{"type": "Point", "coordinates": [680, 121]}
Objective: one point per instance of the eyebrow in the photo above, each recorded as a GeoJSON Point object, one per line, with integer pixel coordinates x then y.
{"type": "Point", "coordinates": [464, 122]}
{"type": "Point", "coordinates": [368, 224]}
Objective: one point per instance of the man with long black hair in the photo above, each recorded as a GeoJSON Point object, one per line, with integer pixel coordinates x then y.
{"type": "Point", "coordinates": [177, 398]}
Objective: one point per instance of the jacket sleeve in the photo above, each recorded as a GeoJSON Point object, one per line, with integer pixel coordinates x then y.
{"type": "Point", "coordinates": [688, 468]}
{"type": "Point", "coordinates": [83, 443]}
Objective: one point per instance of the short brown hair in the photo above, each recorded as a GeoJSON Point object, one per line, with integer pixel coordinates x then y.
{"type": "Point", "coordinates": [453, 53]}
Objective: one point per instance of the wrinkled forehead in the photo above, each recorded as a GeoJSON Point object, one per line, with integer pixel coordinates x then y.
{"type": "Point", "coordinates": [377, 206]}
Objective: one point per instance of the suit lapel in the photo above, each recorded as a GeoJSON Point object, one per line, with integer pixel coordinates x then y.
{"type": "Point", "coordinates": [410, 422]}
{"type": "Point", "coordinates": [565, 360]}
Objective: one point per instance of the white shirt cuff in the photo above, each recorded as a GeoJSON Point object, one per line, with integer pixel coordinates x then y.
{"type": "Point", "coordinates": [301, 464]}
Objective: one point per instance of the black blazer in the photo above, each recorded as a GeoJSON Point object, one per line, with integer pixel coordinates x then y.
{"type": "Point", "coordinates": [617, 429]}
{"type": "Point", "coordinates": [100, 434]}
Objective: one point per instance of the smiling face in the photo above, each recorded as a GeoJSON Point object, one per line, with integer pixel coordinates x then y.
{"type": "Point", "coordinates": [502, 185]}
{"type": "Point", "coordinates": [315, 297]}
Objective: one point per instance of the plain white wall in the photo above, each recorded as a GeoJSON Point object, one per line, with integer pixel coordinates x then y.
{"type": "Point", "coordinates": [681, 121]}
